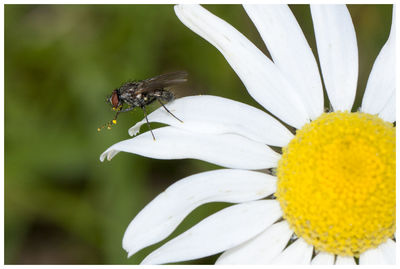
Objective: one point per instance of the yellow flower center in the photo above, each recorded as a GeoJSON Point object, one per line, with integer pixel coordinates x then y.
{"type": "Point", "coordinates": [337, 182]}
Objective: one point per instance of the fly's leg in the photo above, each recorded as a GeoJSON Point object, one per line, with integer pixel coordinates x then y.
{"type": "Point", "coordinates": [147, 120]}
{"type": "Point", "coordinates": [166, 96]}
{"type": "Point", "coordinates": [114, 121]}
{"type": "Point", "coordinates": [126, 109]}
{"type": "Point", "coordinates": [168, 110]}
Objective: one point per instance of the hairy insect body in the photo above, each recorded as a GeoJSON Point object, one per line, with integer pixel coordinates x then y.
{"type": "Point", "coordinates": [133, 98]}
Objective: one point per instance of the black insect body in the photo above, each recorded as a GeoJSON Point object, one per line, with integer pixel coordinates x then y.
{"type": "Point", "coordinates": [143, 93]}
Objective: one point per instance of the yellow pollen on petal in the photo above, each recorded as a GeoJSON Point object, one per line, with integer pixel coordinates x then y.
{"type": "Point", "coordinates": [337, 183]}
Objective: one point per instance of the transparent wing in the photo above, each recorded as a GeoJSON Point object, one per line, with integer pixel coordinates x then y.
{"type": "Point", "coordinates": [162, 81]}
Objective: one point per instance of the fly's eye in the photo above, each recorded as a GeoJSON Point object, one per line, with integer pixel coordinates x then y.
{"type": "Point", "coordinates": [114, 99]}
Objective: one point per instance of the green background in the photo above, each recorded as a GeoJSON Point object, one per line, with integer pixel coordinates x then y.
{"type": "Point", "coordinates": [62, 205]}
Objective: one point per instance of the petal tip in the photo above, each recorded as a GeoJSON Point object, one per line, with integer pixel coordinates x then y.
{"type": "Point", "coordinates": [129, 248]}
{"type": "Point", "coordinates": [182, 8]}
{"type": "Point", "coordinates": [178, 8]}
{"type": "Point", "coordinates": [135, 129]}
{"type": "Point", "coordinates": [109, 154]}
{"type": "Point", "coordinates": [130, 254]}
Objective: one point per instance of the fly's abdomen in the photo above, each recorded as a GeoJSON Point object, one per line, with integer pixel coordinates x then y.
{"type": "Point", "coordinates": [165, 95]}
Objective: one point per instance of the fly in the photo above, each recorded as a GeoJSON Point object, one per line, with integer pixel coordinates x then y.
{"type": "Point", "coordinates": [143, 93]}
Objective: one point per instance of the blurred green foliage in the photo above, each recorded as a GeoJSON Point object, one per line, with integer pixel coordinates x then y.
{"type": "Point", "coordinates": [62, 205]}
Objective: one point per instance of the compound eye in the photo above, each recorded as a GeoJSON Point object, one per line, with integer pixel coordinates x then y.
{"type": "Point", "coordinates": [114, 99]}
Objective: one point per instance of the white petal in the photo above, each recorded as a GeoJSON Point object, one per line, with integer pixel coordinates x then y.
{"type": "Point", "coordinates": [162, 215]}
{"type": "Point", "coordinates": [389, 251]}
{"type": "Point", "coordinates": [220, 231]}
{"type": "Point", "coordinates": [217, 115]}
{"type": "Point", "coordinates": [263, 80]}
{"type": "Point", "coordinates": [290, 52]}
{"type": "Point", "coordinates": [297, 253]}
{"type": "Point", "coordinates": [261, 249]}
{"type": "Point", "coordinates": [323, 258]}
{"type": "Point", "coordinates": [372, 256]}
{"type": "Point", "coordinates": [381, 84]}
{"type": "Point", "coordinates": [383, 254]}
{"type": "Point", "coordinates": [338, 53]}
{"type": "Point", "coordinates": [345, 260]}
{"type": "Point", "coordinates": [389, 111]}
{"type": "Point", "coordinates": [226, 150]}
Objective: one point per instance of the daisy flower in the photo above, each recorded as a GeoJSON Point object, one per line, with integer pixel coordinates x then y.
{"type": "Point", "coordinates": [332, 199]}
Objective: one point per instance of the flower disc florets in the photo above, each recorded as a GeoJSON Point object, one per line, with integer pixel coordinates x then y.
{"type": "Point", "coordinates": [337, 184]}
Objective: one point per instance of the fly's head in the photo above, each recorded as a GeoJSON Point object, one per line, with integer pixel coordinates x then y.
{"type": "Point", "coordinates": [115, 100]}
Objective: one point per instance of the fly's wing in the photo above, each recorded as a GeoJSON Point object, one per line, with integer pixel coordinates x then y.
{"type": "Point", "coordinates": [162, 81]}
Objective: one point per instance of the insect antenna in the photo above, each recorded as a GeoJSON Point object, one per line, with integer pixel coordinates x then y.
{"type": "Point", "coordinates": [169, 111]}
{"type": "Point", "coordinates": [148, 124]}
